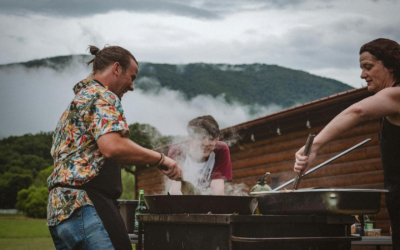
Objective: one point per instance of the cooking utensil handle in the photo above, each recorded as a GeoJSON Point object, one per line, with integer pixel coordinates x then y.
{"type": "Point", "coordinates": [305, 153]}
{"type": "Point", "coordinates": [162, 167]}
{"type": "Point", "coordinates": [319, 166]}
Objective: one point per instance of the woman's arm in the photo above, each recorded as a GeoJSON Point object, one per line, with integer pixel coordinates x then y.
{"type": "Point", "coordinates": [385, 103]}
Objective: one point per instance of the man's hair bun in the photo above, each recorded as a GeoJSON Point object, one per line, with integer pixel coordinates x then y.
{"type": "Point", "coordinates": [93, 50]}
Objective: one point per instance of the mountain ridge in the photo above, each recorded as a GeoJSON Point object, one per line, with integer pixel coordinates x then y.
{"type": "Point", "coordinates": [248, 84]}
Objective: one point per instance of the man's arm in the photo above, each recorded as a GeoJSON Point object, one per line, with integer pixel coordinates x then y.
{"type": "Point", "coordinates": [124, 151]}
{"type": "Point", "coordinates": [222, 169]}
{"type": "Point", "coordinates": [385, 103]}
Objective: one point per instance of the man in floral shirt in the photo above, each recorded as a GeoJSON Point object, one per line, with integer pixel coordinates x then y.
{"type": "Point", "coordinates": [88, 144]}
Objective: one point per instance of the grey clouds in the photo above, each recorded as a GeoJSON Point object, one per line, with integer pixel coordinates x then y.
{"type": "Point", "coordinates": [207, 9]}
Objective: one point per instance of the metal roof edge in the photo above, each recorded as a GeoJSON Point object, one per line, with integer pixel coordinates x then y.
{"type": "Point", "coordinates": [354, 93]}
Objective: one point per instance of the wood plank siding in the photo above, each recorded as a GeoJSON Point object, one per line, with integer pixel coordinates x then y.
{"type": "Point", "coordinates": [256, 148]}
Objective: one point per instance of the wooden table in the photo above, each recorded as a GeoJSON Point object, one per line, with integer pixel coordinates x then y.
{"type": "Point", "coordinates": [374, 241]}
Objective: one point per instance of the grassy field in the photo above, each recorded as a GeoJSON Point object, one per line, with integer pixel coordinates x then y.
{"type": "Point", "coordinates": [18, 232]}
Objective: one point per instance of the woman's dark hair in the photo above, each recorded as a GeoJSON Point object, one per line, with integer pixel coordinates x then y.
{"type": "Point", "coordinates": [203, 125]}
{"type": "Point", "coordinates": [387, 51]}
{"type": "Point", "coordinates": [109, 55]}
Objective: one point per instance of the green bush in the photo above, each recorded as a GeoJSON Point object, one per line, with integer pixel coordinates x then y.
{"type": "Point", "coordinates": [33, 201]}
{"type": "Point", "coordinates": [128, 186]}
{"type": "Point", "coordinates": [37, 203]}
{"type": "Point", "coordinates": [41, 178]}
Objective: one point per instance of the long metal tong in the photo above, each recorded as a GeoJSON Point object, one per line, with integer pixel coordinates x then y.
{"type": "Point", "coordinates": [317, 167]}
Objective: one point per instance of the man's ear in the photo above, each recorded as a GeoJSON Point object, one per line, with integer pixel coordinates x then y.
{"type": "Point", "coordinates": [116, 69]}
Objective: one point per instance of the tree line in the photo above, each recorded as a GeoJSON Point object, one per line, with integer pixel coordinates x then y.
{"type": "Point", "coordinates": [26, 163]}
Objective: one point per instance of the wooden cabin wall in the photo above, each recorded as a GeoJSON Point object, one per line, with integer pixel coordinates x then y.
{"type": "Point", "coordinates": [258, 149]}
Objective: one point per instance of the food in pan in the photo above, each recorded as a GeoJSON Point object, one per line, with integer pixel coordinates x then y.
{"type": "Point", "coordinates": [188, 188]}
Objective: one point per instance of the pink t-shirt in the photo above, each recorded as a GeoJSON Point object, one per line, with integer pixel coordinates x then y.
{"type": "Point", "coordinates": [222, 167]}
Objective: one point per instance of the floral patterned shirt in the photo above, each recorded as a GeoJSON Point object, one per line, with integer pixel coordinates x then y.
{"type": "Point", "coordinates": [93, 112]}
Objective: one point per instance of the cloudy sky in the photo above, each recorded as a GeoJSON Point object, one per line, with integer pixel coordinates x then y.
{"type": "Point", "coordinates": [318, 36]}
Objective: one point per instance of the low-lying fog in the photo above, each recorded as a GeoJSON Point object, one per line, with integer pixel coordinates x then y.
{"type": "Point", "coordinates": [32, 100]}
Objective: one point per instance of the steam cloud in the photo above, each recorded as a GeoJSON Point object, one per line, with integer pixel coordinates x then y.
{"type": "Point", "coordinates": [236, 189]}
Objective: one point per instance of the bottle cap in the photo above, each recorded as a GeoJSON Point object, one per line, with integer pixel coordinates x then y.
{"type": "Point", "coordinates": [141, 192]}
{"type": "Point", "coordinates": [261, 181]}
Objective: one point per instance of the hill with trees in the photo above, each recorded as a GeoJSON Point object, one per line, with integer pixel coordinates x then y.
{"type": "Point", "coordinates": [245, 83]}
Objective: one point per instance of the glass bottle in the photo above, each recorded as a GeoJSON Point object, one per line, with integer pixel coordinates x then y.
{"type": "Point", "coordinates": [368, 222]}
{"type": "Point", "coordinates": [261, 185]}
{"type": "Point", "coordinates": [140, 209]}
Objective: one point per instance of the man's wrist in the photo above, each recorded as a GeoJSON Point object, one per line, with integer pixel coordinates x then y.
{"type": "Point", "coordinates": [160, 162]}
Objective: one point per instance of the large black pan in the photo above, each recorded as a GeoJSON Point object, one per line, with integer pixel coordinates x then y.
{"type": "Point", "coordinates": [200, 204]}
{"type": "Point", "coordinates": [321, 201]}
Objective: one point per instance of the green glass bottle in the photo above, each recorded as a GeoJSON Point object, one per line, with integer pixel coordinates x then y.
{"type": "Point", "coordinates": [261, 185]}
{"type": "Point", "coordinates": [368, 221]}
{"type": "Point", "coordinates": [140, 209]}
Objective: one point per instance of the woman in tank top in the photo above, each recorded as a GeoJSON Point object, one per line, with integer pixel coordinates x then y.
{"type": "Point", "coordinates": [380, 66]}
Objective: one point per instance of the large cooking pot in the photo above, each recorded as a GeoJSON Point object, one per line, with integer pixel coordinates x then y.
{"type": "Point", "coordinates": [200, 204]}
{"type": "Point", "coordinates": [321, 201]}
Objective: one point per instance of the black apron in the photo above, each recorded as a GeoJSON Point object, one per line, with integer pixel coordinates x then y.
{"type": "Point", "coordinates": [103, 191]}
{"type": "Point", "coordinates": [389, 142]}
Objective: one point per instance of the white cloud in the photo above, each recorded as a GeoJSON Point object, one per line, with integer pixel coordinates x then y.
{"type": "Point", "coordinates": [170, 112]}
{"type": "Point", "coordinates": [34, 99]}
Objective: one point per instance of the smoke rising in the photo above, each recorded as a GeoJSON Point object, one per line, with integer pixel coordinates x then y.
{"type": "Point", "coordinates": [236, 189]}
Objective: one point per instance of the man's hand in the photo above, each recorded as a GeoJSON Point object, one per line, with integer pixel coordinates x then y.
{"type": "Point", "coordinates": [174, 172]}
{"type": "Point", "coordinates": [304, 162]}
